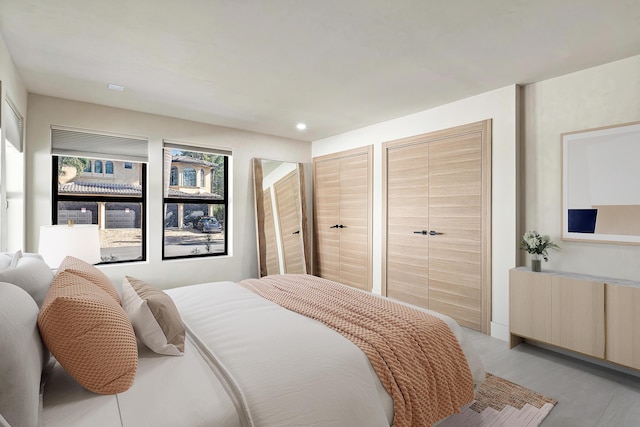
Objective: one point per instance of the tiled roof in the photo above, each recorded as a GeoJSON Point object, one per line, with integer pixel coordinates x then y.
{"type": "Point", "coordinates": [181, 194]}
{"type": "Point", "coordinates": [100, 188]}
{"type": "Point", "coordinates": [192, 160]}
{"type": "Point", "coordinates": [124, 190]}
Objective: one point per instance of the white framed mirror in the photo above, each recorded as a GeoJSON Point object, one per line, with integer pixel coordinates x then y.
{"type": "Point", "coordinates": [281, 220]}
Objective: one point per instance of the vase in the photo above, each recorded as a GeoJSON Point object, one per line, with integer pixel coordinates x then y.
{"type": "Point", "coordinates": [536, 264]}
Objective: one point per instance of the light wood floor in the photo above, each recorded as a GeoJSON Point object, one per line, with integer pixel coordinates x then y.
{"type": "Point", "coordinates": [587, 394]}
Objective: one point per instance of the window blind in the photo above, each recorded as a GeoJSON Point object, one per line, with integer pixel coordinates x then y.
{"type": "Point", "coordinates": [75, 143]}
{"type": "Point", "coordinates": [13, 126]}
{"type": "Point", "coordinates": [187, 147]}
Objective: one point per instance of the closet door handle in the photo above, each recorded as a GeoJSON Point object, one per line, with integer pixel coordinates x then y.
{"type": "Point", "coordinates": [335, 226]}
{"type": "Point", "coordinates": [424, 232]}
{"type": "Point", "coordinates": [296, 232]}
{"type": "Point", "coordinates": [434, 233]}
{"type": "Point", "coordinates": [342, 226]}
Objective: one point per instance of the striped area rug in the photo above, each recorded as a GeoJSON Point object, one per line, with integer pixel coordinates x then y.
{"type": "Point", "coordinates": [502, 403]}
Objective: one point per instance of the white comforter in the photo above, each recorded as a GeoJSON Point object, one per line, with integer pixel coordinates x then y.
{"type": "Point", "coordinates": [248, 362]}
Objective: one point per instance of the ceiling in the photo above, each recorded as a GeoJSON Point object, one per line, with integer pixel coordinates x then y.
{"type": "Point", "coordinates": [337, 65]}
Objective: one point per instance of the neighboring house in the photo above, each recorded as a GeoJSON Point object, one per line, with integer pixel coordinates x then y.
{"type": "Point", "coordinates": [190, 178]}
{"type": "Point", "coordinates": [101, 178]}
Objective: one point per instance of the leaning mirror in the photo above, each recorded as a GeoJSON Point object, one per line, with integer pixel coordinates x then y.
{"type": "Point", "coordinates": [281, 219]}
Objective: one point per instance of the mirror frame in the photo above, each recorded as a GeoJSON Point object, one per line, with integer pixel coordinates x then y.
{"type": "Point", "coordinates": [258, 195]}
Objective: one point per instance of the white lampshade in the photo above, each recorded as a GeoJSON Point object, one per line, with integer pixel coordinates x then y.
{"type": "Point", "coordinates": [81, 241]}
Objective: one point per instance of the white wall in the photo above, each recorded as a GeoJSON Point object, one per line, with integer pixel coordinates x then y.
{"type": "Point", "coordinates": [12, 179]}
{"type": "Point", "coordinates": [242, 261]}
{"type": "Point", "coordinates": [499, 105]}
{"type": "Point", "coordinates": [601, 96]}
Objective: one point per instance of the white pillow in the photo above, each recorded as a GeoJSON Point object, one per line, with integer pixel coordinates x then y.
{"type": "Point", "coordinates": [32, 274]}
{"type": "Point", "coordinates": [23, 357]}
{"type": "Point", "coordinates": [9, 260]}
{"type": "Point", "coordinates": [5, 261]}
{"type": "Point", "coordinates": [154, 316]}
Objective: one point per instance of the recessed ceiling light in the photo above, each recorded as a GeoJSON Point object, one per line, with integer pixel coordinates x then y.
{"type": "Point", "coordinates": [301, 126]}
{"type": "Point", "coordinates": [115, 87]}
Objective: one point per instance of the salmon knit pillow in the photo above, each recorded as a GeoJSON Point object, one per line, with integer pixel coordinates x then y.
{"type": "Point", "coordinates": [89, 334]}
{"type": "Point", "coordinates": [91, 273]}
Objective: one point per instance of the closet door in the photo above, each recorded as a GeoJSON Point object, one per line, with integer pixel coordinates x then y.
{"type": "Point", "coordinates": [289, 217]}
{"type": "Point", "coordinates": [437, 216]}
{"type": "Point", "coordinates": [273, 261]}
{"type": "Point", "coordinates": [407, 266]}
{"type": "Point", "coordinates": [353, 224]}
{"type": "Point", "coordinates": [326, 209]}
{"type": "Point", "coordinates": [455, 210]}
{"type": "Point", "coordinates": [342, 213]}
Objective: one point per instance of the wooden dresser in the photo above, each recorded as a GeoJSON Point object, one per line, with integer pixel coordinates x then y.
{"type": "Point", "coordinates": [595, 316]}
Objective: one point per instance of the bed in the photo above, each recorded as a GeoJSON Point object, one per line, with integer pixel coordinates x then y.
{"type": "Point", "coordinates": [247, 361]}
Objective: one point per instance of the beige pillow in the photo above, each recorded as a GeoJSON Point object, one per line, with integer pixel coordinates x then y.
{"type": "Point", "coordinates": [89, 334]}
{"type": "Point", "coordinates": [154, 316]}
{"type": "Point", "coordinates": [91, 273]}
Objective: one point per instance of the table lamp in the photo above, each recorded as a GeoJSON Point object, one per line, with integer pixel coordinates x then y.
{"type": "Point", "coordinates": [80, 241]}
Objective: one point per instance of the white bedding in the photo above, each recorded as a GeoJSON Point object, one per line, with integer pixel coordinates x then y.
{"type": "Point", "coordinates": [247, 362]}
{"type": "Point", "coordinates": [167, 391]}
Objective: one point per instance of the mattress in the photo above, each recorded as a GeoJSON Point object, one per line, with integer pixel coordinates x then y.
{"type": "Point", "coordinates": [247, 362]}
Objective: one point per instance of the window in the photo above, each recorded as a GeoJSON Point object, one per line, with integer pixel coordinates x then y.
{"type": "Point", "coordinates": [128, 165]}
{"type": "Point", "coordinates": [174, 176]}
{"type": "Point", "coordinates": [87, 168]}
{"type": "Point", "coordinates": [195, 218]}
{"type": "Point", "coordinates": [189, 177]}
{"type": "Point", "coordinates": [116, 203]}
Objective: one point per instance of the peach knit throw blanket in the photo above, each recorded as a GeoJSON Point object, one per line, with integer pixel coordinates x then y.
{"type": "Point", "coordinates": [416, 356]}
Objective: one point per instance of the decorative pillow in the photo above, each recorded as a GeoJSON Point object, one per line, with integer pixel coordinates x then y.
{"type": "Point", "coordinates": [23, 357]}
{"type": "Point", "coordinates": [154, 316]}
{"type": "Point", "coordinates": [91, 273]}
{"type": "Point", "coordinates": [32, 274]}
{"type": "Point", "coordinates": [89, 334]}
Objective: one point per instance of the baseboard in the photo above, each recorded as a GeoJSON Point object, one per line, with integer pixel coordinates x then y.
{"type": "Point", "coordinates": [500, 331]}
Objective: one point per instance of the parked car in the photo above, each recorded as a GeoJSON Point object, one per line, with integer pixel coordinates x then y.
{"type": "Point", "coordinates": [208, 224]}
{"type": "Point", "coordinates": [191, 219]}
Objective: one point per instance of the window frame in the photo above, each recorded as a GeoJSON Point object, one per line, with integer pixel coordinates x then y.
{"type": "Point", "coordinates": [142, 200]}
{"type": "Point", "coordinates": [183, 200]}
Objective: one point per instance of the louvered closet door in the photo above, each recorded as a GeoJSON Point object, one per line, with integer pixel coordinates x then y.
{"type": "Point", "coordinates": [288, 203]}
{"type": "Point", "coordinates": [455, 210]}
{"type": "Point", "coordinates": [407, 213]}
{"type": "Point", "coordinates": [354, 221]}
{"type": "Point", "coordinates": [326, 209]}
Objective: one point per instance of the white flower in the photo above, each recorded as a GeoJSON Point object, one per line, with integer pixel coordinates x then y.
{"type": "Point", "coordinates": [534, 243]}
